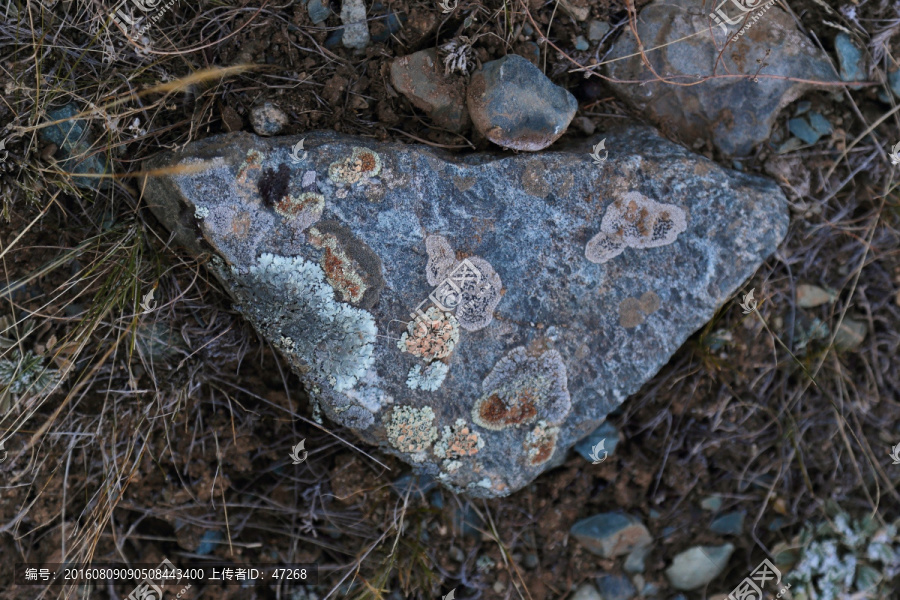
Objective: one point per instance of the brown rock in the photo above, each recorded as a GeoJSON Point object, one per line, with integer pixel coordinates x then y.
{"type": "Point", "coordinates": [420, 77]}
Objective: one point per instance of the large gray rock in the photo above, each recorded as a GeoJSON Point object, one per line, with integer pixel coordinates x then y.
{"type": "Point", "coordinates": [684, 44]}
{"type": "Point", "coordinates": [513, 104]}
{"type": "Point", "coordinates": [574, 283]}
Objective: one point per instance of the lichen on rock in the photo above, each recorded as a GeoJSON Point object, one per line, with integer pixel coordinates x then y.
{"type": "Point", "coordinates": [458, 442]}
{"type": "Point", "coordinates": [350, 266]}
{"type": "Point", "coordinates": [431, 337]}
{"type": "Point", "coordinates": [471, 287]}
{"type": "Point", "coordinates": [540, 443]}
{"type": "Point", "coordinates": [288, 298]}
{"type": "Point", "coordinates": [411, 429]}
{"type": "Point", "coordinates": [520, 388]}
{"type": "Point", "coordinates": [635, 221]}
{"type": "Point", "coordinates": [428, 378]}
{"type": "Point", "coordinates": [306, 208]}
{"type": "Point", "coordinates": [363, 163]}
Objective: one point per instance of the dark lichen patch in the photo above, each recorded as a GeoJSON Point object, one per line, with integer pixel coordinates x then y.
{"type": "Point", "coordinates": [273, 185]}
{"type": "Point", "coordinates": [521, 388]}
{"type": "Point", "coordinates": [351, 266]}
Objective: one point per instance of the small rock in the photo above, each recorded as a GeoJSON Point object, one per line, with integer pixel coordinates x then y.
{"type": "Point", "coordinates": [581, 43]}
{"type": "Point", "coordinates": [634, 563]}
{"type": "Point", "coordinates": [850, 58]}
{"type": "Point", "coordinates": [586, 125]}
{"type": "Point", "coordinates": [697, 566]}
{"type": "Point", "coordinates": [819, 123]}
{"type": "Point", "coordinates": [577, 9]}
{"type": "Point", "coordinates": [607, 431]}
{"type": "Point", "coordinates": [416, 485]}
{"type": "Point", "coordinates": [384, 28]}
{"type": "Point", "coordinates": [586, 592]}
{"type": "Point", "coordinates": [711, 503]}
{"type": "Point", "coordinates": [356, 29]}
{"type": "Point", "coordinates": [209, 541]}
{"type": "Point", "coordinates": [318, 11]}
{"type": "Point", "coordinates": [74, 143]}
{"type": "Point", "coordinates": [802, 107]}
{"type": "Point", "coordinates": [810, 296]}
{"type": "Point", "coordinates": [597, 29]}
{"type": "Point", "coordinates": [850, 335]}
{"type": "Point", "coordinates": [467, 521]}
{"type": "Point", "coordinates": [513, 104]}
{"type": "Point", "coordinates": [334, 38]}
{"type": "Point", "coordinates": [456, 554]}
{"type": "Point", "coordinates": [729, 524]}
{"type": "Point", "coordinates": [531, 561]}
{"type": "Point", "coordinates": [615, 587]}
{"type": "Point", "coordinates": [611, 534]}
{"type": "Point", "coordinates": [527, 30]}
{"type": "Point", "coordinates": [420, 77]}
{"type": "Point", "coordinates": [267, 119]}
{"type": "Point", "coordinates": [801, 128]}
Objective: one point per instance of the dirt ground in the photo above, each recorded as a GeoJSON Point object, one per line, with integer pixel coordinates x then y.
{"type": "Point", "coordinates": [168, 432]}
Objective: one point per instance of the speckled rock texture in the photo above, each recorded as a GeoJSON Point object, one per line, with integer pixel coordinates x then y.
{"type": "Point", "coordinates": [684, 44]}
{"type": "Point", "coordinates": [513, 104]}
{"type": "Point", "coordinates": [459, 312]}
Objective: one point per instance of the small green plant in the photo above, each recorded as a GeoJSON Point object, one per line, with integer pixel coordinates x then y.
{"type": "Point", "coordinates": [22, 374]}
{"type": "Point", "coordinates": [843, 558]}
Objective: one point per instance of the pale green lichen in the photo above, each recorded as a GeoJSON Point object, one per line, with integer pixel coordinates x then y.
{"type": "Point", "coordinates": [428, 379]}
{"type": "Point", "coordinates": [458, 442]}
{"type": "Point", "coordinates": [432, 336]}
{"type": "Point", "coordinates": [363, 163]}
{"type": "Point", "coordinates": [24, 375]}
{"type": "Point", "coordinates": [410, 429]}
{"type": "Point", "coordinates": [201, 212]}
{"type": "Point", "coordinates": [290, 302]}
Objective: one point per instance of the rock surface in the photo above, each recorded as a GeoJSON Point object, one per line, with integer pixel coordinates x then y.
{"type": "Point", "coordinates": [606, 433]}
{"type": "Point", "coordinates": [267, 119]}
{"type": "Point", "coordinates": [513, 104]}
{"type": "Point", "coordinates": [420, 77]}
{"type": "Point", "coordinates": [356, 28]}
{"type": "Point", "coordinates": [551, 320]}
{"type": "Point", "coordinates": [697, 566]}
{"type": "Point", "coordinates": [611, 534]}
{"type": "Point", "coordinates": [76, 149]}
{"type": "Point", "coordinates": [733, 111]}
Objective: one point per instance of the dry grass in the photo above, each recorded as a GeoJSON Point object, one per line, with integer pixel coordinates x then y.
{"type": "Point", "coordinates": [172, 422]}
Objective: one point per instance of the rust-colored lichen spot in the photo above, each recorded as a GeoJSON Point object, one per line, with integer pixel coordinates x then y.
{"type": "Point", "coordinates": [252, 162]}
{"type": "Point", "coordinates": [499, 413]}
{"type": "Point", "coordinates": [361, 164]}
{"type": "Point", "coordinates": [521, 388]}
{"type": "Point", "coordinates": [240, 225]}
{"type": "Point", "coordinates": [290, 207]}
{"type": "Point", "coordinates": [431, 337]}
{"type": "Point", "coordinates": [458, 442]}
{"type": "Point", "coordinates": [341, 271]}
{"type": "Point", "coordinates": [540, 444]}
{"type": "Point", "coordinates": [633, 311]}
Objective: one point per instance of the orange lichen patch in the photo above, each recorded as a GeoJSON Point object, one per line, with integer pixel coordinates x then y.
{"type": "Point", "coordinates": [540, 444]}
{"type": "Point", "coordinates": [240, 225]}
{"type": "Point", "coordinates": [341, 271]}
{"type": "Point", "coordinates": [633, 311]}
{"type": "Point", "coordinates": [289, 207]}
{"type": "Point", "coordinates": [251, 163]}
{"type": "Point", "coordinates": [410, 429]}
{"type": "Point", "coordinates": [521, 388]}
{"type": "Point", "coordinates": [431, 337]}
{"type": "Point", "coordinates": [458, 442]}
{"type": "Point", "coordinates": [519, 408]}
{"type": "Point", "coordinates": [362, 163]}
